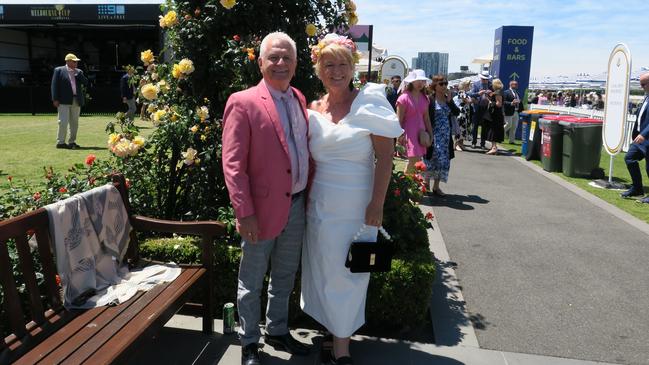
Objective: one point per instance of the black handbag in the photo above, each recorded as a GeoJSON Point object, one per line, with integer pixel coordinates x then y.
{"type": "Point", "coordinates": [370, 256]}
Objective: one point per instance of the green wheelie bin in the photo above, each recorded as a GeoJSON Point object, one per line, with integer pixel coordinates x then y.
{"type": "Point", "coordinates": [552, 141]}
{"type": "Point", "coordinates": [582, 146]}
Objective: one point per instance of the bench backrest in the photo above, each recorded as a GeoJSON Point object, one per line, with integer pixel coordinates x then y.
{"type": "Point", "coordinates": [33, 315]}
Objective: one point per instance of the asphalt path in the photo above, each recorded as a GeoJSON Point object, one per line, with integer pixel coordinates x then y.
{"type": "Point", "coordinates": [543, 270]}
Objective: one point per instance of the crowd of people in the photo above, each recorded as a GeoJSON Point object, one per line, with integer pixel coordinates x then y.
{"type": "Point", "coordinates": [572, 99]}
{"type": "Point", "coordinates": [437, 120]}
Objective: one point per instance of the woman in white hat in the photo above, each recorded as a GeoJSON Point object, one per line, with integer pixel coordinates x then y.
{"type": "Point", "coordinates": [412, 111]}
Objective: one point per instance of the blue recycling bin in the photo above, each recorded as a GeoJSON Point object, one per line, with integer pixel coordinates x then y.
{"type": "Point", "coordinates": [524, 125]}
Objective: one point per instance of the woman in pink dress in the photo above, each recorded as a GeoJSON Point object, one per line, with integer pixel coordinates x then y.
{"type": "Point", "coordinates": [412, 111]}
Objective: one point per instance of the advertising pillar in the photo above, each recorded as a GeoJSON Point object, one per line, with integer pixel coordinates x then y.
{"type": "Point", "coordinates": [513, 56]}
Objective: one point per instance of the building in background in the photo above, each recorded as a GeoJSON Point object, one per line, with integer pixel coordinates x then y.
{"type": "Point", "coordinates": [35, 36]}
{"type": "Point", "coordinates": [433, 63]}
{"type": "Point", "coordinates": [413, 64]}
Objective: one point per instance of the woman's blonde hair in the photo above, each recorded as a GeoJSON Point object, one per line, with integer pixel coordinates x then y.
{"type": "Point", "coordinates": [336, 51]}
{"type": "Point", "coordinates": [497, 84]}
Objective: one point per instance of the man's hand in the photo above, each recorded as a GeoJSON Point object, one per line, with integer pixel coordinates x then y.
{"type": "Point", "coordinates": [248, 229]}
{"type": "Point", "coordinates": [55, 103]}
{"type": "Point", "coordinates": [639, 139]}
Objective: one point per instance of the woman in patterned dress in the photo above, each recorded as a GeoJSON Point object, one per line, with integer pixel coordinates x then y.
{"type": "Point", "coordinates": [438, 157]}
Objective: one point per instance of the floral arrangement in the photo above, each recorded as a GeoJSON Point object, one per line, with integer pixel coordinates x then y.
{"type": "Point", "coordinates": [333, 38]}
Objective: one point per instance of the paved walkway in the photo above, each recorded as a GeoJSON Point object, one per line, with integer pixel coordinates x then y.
{"type": "Point", "coordinates": [547, 275]}
{"type": "Point", "coordinates": [182, 343]}
{"type": "Point", "coordinates": [545, 270]}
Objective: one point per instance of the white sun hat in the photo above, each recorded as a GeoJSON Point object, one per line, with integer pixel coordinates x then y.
{"type": "Point", "coordinates": [415, 75]}
{"type": "Point", "coordinates": [485, 75]}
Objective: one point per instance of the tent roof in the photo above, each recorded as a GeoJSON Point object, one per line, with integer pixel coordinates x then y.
{"type": "Point", "coordinates": [483, 59]}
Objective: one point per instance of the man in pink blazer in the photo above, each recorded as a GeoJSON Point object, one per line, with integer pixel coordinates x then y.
{"type": "Point", "coordinates": [266, 168]}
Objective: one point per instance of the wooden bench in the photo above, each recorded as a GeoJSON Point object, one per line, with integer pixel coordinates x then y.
{"type": "Point", "coordinates": [50, 334]}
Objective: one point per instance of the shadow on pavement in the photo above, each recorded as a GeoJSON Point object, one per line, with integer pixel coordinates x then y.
{"type": "Point", "coordinates": [454, 201]}
{"type": "Point", "coordinates": [453, 311]}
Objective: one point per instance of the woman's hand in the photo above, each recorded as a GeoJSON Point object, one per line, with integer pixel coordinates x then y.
{"type": "Point", "coordinates": [374, 214]}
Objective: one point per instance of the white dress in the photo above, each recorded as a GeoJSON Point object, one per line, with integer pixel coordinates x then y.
{"type": "Point", "coordinates": [340, 192]}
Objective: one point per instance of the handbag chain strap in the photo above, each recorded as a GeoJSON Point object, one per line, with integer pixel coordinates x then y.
{"type": "Point", "coordinates": [364, 227]}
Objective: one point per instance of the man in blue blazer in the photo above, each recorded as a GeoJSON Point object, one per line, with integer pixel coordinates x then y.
{"type": "Point", "coordinates": [639, 149]}
{"type": "Point", "coordinates": [67, 97]}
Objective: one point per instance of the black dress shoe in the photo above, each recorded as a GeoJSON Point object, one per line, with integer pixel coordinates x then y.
{"type": "Point", "coordinates": [73, 146]}
{"type": "Point", "coordinates": [288, 343]}
{"type": "Point", "coordinates": [250, 355]}
{"type": "Point", "coordinates": [62, 145]}
{"type": "Point", "coordinates": [632, 192]}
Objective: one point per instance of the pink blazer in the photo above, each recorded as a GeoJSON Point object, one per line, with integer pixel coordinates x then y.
{"type": "Point", "coordinates": [256, 163]}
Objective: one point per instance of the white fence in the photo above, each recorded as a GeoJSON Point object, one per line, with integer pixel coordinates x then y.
{"type": "Point", "coordinates": [591, 113]}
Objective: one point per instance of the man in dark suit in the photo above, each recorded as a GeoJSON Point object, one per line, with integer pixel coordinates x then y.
{"type": "Point", "coordinates": [127, 90]}
{"type": "Point", "coordinates": [480, 93]}
{"type": "Point", "coordinates": [513, 106]}
{"type": "Point", "coordinates": [639, 149]}
{"type": "Point", "coordinates": [392, 92]}
{"type": "Point", "coordinates": [67, 97]}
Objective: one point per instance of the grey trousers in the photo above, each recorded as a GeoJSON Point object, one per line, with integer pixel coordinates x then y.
{"type": "Point", "coordinates": [284, 254]}
{"type": "Point", "coordinates": [68, 115]}
{"type": "Point", "coordinates": [511, 123]}
{"type": "Point", "coordinates": [130, 113]}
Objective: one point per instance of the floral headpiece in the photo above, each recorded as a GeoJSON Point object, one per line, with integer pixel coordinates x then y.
{"type": "Point", "coordinates": [333, 38]}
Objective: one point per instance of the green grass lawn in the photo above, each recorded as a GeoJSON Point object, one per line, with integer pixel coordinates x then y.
{"type": "Point", "coordinates": [27, 144]}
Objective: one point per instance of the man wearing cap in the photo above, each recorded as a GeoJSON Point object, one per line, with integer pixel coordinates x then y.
{"type": "Point", "coordinates": [67, 98]}
{"type": "Point", "coordinates": [639, 148]}
{"type": "Point", "coordinates": [480, 93]}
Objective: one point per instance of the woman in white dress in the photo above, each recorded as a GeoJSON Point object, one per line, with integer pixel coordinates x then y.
{"type": "Point", "coordinates": [350, 139]}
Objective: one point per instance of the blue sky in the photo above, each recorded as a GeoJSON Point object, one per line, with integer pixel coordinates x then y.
{"type": "Point", "coordinates": [569, 36]}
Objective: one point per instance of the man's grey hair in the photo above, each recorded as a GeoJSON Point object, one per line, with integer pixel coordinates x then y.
{"type": "Point", "coordinates": [276, 36]}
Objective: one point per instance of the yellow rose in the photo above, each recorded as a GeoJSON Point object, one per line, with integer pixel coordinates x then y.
{"type": "Point", "coordinates": [311, 30]}
{"type": "Point", "coordinates": [194, 129]}
{"type": "Point", "coordinates": [189, 156]}
{"type": "Point", "coordinates": [353, 18]}
{"type": "Point", "coordinates": [150, 108]}
{"type": "Point", "coordinates": [163, 86]}
{"type": "Point", "coordinates": [174, 117]}
{"type": "Point", "coordinates": [228, 4]}
{"type": "Point", "coordinates": [203, 137]}
{"type": "Point", "coordinates": [351, 6]}
{"type": "Point", "coordinates": [186, 66]}
{"type": "Point", "coordinates": [113, 139]}
{"type": "Point", "coordinates": [149, 91]}
{"type": "Point", "coordinates": [158, 115]}
{"type": "Point", "coordinates": [139, 141]}
{"type": "Point", "coordinates": [162, 22]}
{"type": "Point", "coordinates": [132, 149]}
{"type": "Point", "coordinates": [175, 71]}
{"type": "Point", "coordinates": [171, 19]}
{"type": "Point", "coordinates": [147, 57]}
{"type": "Point", "coordinates": [122, 148]}
{"type": "Point", "coordinates": [203, 113]}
